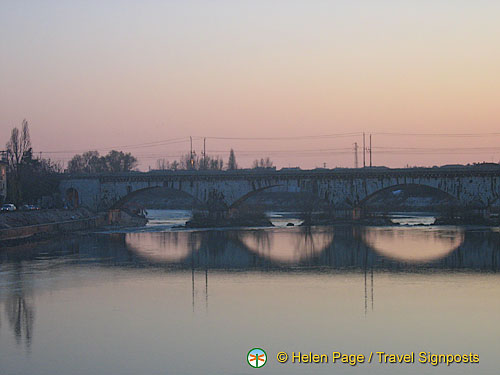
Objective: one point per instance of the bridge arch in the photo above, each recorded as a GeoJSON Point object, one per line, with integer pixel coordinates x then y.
{"type": "Point", "coordinates": [432, 189]}
{"type": "Point", "coordinates": [132, 194]}
{"type": "Point", "coordinates": [243, 198]}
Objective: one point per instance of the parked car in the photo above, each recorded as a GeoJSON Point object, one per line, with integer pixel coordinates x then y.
{"type": "Point", "coordinates": [29, 207]}
{"type": "Point", "coordinates": [8, 207]}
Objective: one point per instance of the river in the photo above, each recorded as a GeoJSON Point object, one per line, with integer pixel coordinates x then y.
{"type": "Point", "coordinates": [163, 300]}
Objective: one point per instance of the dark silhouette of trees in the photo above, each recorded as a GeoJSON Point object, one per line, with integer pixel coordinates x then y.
{"type": "Point", "coordinates": [17, 148]}
{"type": "Point", "coordinates": [18, 145]}
{"type": "Point", "coordinates": [38, 177]}
{"type": "Point", "coordinates": [231, 162]}
{"type": "Point", "coordinates": [92, 162]}
{"type": "Point", "coordinates": [216, 163]}
{"type": "Point", "coordinates": [118, 161]}
{"type": "Point", "coordinates": [262, 163]}
{"type": "Point", "coordinates": [198, 163]}
{"type": "Point", "coordinates": [29, 178]}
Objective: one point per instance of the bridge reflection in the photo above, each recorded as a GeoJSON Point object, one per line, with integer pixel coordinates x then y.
{"type": "Point", "coordinates": [413, 245]}
{"type": "Point", "coordinates": [303, 246]}
{"type": "Point", "coordinates": [361, 250]}
{"type": "Point", "coordinates": [338, 248]}
{"type": "Point", "coordinates": [346, 247]}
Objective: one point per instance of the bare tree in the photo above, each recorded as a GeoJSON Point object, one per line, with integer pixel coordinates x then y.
{"type": "Point", "coordinates": [175, 165]}
{"type": "Point", "coordinates": [262, 163]}
{"type": "Point", "coordinates": [162, 164]}
{"type": "Point", "coordinates": [18, 146]}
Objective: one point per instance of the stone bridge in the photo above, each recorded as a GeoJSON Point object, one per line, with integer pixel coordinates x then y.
{"type": "Point", "coordinates": [470, 186]}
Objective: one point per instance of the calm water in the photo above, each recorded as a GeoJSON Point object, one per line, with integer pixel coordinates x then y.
{"type": "Point", "coordinates": [165, 301]}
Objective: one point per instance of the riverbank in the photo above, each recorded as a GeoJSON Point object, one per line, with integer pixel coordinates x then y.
{"type": "Point", "coordinates": [22, 226]}
{"type": "Point", "coordinates": [21, 234]}
{"type": "Point", "coordinates": [16, 219]}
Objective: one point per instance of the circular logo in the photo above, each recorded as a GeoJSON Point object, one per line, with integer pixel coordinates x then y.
{"type": "Point", "coordinates": [257, 358]}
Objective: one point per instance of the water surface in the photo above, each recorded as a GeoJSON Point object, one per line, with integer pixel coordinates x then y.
{"type": "Point", "coordinates": [160, 300]}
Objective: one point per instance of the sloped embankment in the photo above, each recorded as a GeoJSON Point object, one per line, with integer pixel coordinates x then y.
{"type": "Point", "coordinates": [26, 218]}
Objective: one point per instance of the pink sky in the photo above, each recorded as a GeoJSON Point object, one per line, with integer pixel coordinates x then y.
{"type": "Point", "coordinates": [101, 74]}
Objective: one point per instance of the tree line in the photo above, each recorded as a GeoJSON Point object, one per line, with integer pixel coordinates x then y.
{"type": "Point", "coordinates": [92, 162]}
{"type": "Point", "coordinates": [206, 162]}
{"type": "Point", "coordinates": [30, 178]}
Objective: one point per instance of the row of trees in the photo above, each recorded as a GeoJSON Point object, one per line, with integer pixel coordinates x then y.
{"type": "Point", "coordinates": [30, 178]}
{"type": "Point", "coordinates": [196, 162]}
{"type": "Point", "coordinates": [262, 163]}
{"type": "Point", "coordinates": [92, 162]}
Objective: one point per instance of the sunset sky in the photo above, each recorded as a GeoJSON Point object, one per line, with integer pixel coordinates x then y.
{"type": "Point", "coordinates": [110, 74]}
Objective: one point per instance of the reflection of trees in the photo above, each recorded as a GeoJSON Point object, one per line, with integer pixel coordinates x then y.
{"type": "Point", "coordinates": [221, 248]}
{"type": "Point", "coordinates": [310, 242]}
{"type": "Point", "coordinates": [20, 309]}
{"type": "Point", "coordinates": [262, 238]}
{"type": "Point", "coordinates": [20, 314]}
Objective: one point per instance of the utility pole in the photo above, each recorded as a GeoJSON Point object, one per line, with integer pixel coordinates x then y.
{"type": "Point", "coordinates": [191, 152]}
{"type": "Point", "coordinates": [355, 154]}
{"type": "Point", "coordinates": [205, 153]}
{"type": "Point", "coordinates": [370, 150]}
{"type": "Point", "coordinates": [364, 151]}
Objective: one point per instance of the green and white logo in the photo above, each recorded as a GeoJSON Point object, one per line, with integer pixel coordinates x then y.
{"type": "Point", "coordinates": [257, 358]}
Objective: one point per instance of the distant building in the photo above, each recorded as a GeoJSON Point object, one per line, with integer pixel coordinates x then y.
{"type": "Point", "coordinates": [3, 177]}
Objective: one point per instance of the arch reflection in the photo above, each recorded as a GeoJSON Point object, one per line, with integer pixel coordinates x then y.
{"type": "Point", "coordinates": [170, 247]}
{"type": "Point", "coordinates": [413, 245]}
{"type": "Point", "coordinates": [288, 246]}
{"type": "Point", "coordinates": [321, 246]}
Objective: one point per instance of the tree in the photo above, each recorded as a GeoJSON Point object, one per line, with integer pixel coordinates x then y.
{"type": "Point", "coordinates": [262, 163]}
{"type": "Point", "coordinates": [18, 146]}
{"type": "Point", "coordinates": [175, 165]}
{"type": "Point", "coordinates": [196, 163]}
{"type": "Point", "coordinates": [92, 162]}
{"type": "Point", "coordinates": [38, 177]}
{"type": "Point", "coordinates": [162, 164]}
{"type": "Point", "coordinates": [117, 161]}
{"type": "Point", "coordinates": [189, 161]}
{"type": "Point", "coordinates": [215, 163]}
{"type": "Point", "coordinates": [29, 178]}
{"type": "Point", "coordinates": [231, 162]}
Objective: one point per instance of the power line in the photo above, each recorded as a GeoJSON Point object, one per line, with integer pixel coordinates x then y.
{"type": "Point", "coordinates": [398, 134]}
{"type": "Point", "coordinates": [338, 135]}
{"type": "Point", "coordinates": [138, 145]}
